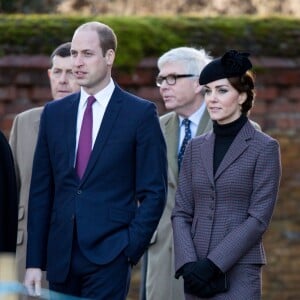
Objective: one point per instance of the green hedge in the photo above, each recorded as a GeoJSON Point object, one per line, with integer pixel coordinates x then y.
{"type": "Point", "coordinates": [150, 36]}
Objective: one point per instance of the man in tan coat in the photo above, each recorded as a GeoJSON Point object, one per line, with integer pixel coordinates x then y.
{"type": "Point", "coordinates": [178, 82]}
{"type": "Point", "coordinates": [23, 138]}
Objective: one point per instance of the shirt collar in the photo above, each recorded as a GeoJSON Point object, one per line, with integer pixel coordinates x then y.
{"type": "Point", "coordinates": [195, 117]}
{"type": "Point", "coordinates": [102, 97]}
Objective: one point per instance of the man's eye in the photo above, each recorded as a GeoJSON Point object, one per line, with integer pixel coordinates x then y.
{"type": "Point", "coordinates": [171, 78]}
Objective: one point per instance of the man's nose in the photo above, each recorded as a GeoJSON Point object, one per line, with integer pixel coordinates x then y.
{"type": "Point", "coordinates": [63, 78]}
{"type": "Point", "coordinates": [77, 60]}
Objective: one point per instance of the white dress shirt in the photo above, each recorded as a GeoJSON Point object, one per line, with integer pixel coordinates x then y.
{"type": "Point", "coordinates": [99, 107]}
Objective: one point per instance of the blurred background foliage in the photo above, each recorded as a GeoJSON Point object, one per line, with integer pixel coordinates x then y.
{"type": "Point", "coordinates": [149, 36]}
{"type": "Point", "coordinates": [148, 28]}
{"type": "Point", "coordinates": [134, 7]}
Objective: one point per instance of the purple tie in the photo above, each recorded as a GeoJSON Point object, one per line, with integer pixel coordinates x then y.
{"type": "Point", "coordinates": [85, 138]}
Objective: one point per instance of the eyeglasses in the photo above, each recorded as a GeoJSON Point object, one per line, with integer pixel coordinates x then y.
{"type": "Point", "coordinates": [171, 79]}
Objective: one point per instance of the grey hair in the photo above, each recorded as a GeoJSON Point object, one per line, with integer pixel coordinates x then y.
{"type": "Point", "coordinates": [194, 60]}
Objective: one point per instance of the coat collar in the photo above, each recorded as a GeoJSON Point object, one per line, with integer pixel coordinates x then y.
{"type": "Point", "coordinates": [70, 126]}
{"type": "Point", "coordinates": [236, 149]}
{"type": "Point", "coordinates": [170, 128]}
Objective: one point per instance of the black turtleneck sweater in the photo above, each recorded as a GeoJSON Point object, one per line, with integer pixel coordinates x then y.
{"type": "Point", "coordinates": [225, 134]}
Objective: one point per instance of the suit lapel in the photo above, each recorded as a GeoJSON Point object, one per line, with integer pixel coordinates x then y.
{"type": "Point", "coordinates": [207, 147]}
{"type": "Point", "coordinates": [207, 152]}
{"type": "Point", "coordinates": [171, 132]}
{"type": "Point", "coordinates": [110, 115]}
{"type": "Point", "coordinates": [238, 146]}
{"type": "Point", "coordinates": [36, 122]}
{"type": "Point", "coordinates": [70, 127]}
{"type": "Point", "coordinates": [171, 128]}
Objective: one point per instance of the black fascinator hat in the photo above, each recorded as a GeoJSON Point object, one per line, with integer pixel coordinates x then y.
{"type": "Point", "coordinates": [231, 64]}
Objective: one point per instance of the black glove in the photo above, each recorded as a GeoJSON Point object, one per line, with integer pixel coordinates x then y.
{"type": "Point", "coordinates": [198, 275]}
{"type": "Point", "coordinates": [215, 286]}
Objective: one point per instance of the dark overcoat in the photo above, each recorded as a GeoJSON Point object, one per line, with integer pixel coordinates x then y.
{"type": "Point", "coordinates": [8, 198]}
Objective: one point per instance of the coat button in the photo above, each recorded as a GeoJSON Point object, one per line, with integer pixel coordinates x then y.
{"type": "Point", "coordinates": [79, 192]}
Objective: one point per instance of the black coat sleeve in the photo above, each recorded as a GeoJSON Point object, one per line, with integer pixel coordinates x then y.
{"type": "Point", "coordinates": [8, 198]}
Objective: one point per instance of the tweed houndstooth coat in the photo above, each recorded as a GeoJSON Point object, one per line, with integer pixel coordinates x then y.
{"type": "Point", "coordinates": [223, 217]}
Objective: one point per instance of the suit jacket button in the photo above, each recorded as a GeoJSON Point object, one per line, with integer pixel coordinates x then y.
{"type": "Point", "coordinates": [79, 192]}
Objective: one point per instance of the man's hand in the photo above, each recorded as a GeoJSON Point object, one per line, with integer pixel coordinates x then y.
{"type": "Point", "coordinates": [32, 281]}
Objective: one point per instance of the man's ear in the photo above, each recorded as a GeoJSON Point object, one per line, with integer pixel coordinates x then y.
{"type": "Point", "coordinates": [110, 56]}
{"type": "Point", "coordinates": [198, 87]}
{"type": "Point", "coordinates": [49, 73]}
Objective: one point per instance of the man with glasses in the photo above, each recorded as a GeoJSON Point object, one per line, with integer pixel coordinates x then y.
{"type": "Point", "coordinates": [178, 82]}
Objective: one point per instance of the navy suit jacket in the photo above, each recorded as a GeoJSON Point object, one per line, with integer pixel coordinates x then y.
{"type": "Point", "coordinates": [119, 200]}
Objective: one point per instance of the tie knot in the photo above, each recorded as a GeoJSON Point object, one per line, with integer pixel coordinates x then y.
{"type": "Point", "coordinates": [186, 123]}
{"type": "Point", "coordinates": [90, 100]}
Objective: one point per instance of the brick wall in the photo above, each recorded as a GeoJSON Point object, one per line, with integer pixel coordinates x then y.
{"type": "Point", "coordinates": [24, 84]}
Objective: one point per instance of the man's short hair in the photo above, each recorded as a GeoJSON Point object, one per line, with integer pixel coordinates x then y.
{"type": "Point", "coordinates": [62, 50]}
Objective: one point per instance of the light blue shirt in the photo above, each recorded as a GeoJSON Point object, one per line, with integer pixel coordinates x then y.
{"type": "Point", "coordinates": [195, 120]}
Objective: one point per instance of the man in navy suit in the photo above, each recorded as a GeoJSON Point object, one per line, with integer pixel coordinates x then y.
{"type": "Point", "coordinates": [87, 229]}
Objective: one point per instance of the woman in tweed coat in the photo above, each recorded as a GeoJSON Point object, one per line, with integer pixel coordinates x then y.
{"type": "Point", "coordinates": [227, 191]}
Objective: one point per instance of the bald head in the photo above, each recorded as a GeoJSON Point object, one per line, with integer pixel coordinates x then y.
{"type": "Point", "coordinates": [107, 37]}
